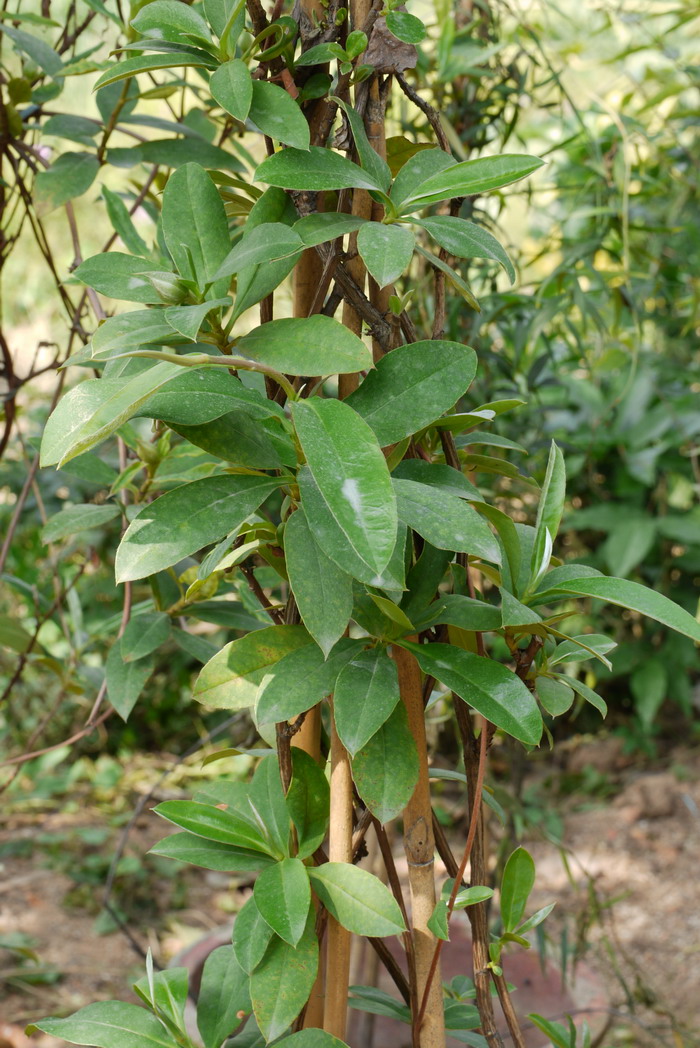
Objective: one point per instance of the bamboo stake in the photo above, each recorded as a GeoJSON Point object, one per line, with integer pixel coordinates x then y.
{"type": "Point", "coordinates": [419, 845]}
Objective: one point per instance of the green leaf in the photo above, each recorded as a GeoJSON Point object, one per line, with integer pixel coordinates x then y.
{"type": "Point", "coordinates": [366, 693]}
{"type": "Point", "coordinates": [635, 597]}
{"type": "Point", "coordinates": [230, 680]}
{"type": "Point", "coordinates": [77, 518]}
{"type": "Point", "coordinates": [333, 540]}
{"type": "Point", "coordinates": [649, 684]}
{"type": "Point", "coordinates": [276, 114]}
{"type": "Point", "coordinates": [306, 346]}
{"type": "Point", "coordinates": [313, 1038]}
{"type": "Point", "coordinates": [210, 855]}
{"type": "Point", "coordinates": [14, 636]}
{"type": "Point", "coordinates": [378, 1002]}
{"type": "Point", "coordinates": [300, 680]}
{"type": "Point", "coordinates": [549, 512]}
{"type": "Point", "coordinates": [556, 696]}
{"type": "Point", "coordinates": [308, 802]}
{"type": "Point", "coordinates": [251, 936]}
{"type": "Point", "coordinates": [628, 544]}
{"type": "Point", "coordinates": [75, 128]}
{"type": "Point", "coordinates": [386, 250]}
{"type": "Point", "coordinates": [69, 176]}
{"type": "Point", "coordinates": [120, 276]}
{"type": "Point", "coordinates": [265, 243]}
{"type": "Point", "coordinates": [166, 991]}
{"type": "Point", "coordinates": [283, 897]}
{"type": "Point", "coordinates": [143, 634]}
{"type": "Point", "coordinates": [313, 170]}
{"type": "Point", "coordinates": [196, 397]}
{"type": "Point", "coordinates": [187, 320]}
{"type": "Point", "coordinates": [437, 475]}
{"type": "Point", "coordinates": [128, 331]}
{"type": "Point", "coordinates": [265, 797]}
{"type": "Point", "coordinates": [417, 169]}
{"type": "Point", "coordinates": [471, 177]}
{"type": "Point", "coordinates": [232, 87]}
{"type": "Point", "coordinates": [571, 650]}
{"type": "Point", "coordinates": [370, 160]}
{"type": "Point", "coordinates": [467, 240]}
{"type": "Point", "coordinates": [537, 918]}
{"type": "Point", "coordinates": [170, 15]}
{"type": "Point", "coordinates": [175, 152]}
{"type": "Point", "coordinates": [281, 983]}
{"type": "Point", "coordinates": [184, 520]}
{"type": "Point", "coordinates": [109, 1024]}
{"type": "Point", "coordinates": [472, 896]}
{"type": "Point", "coordinates": [558, 1034]}
{"type": "Point", "coordinates": [385, 771]}
{"type": "Point", "coordinates": [238, 438]}
{"type": "Point", "coordinates": [40, 53]}
{"type": "Point", "coordinates": [455, 279]}
{"type": "Point", "coordinates": [222, 995]}
{"type": "Point", "coordinates": [405, 27]}
{"type": "Point", "coordinates": [445, 520]}
{"type": "Point", "coordinates": [195, 227]}
{"type": "Point", "coordinates": [224, 827]}
{"type": "Point", "coordinates": [516, 885]}
{"type": "Point", "coordinates": [412, 386]}
{"type": "Point", "coordinates": [357, 899]}
{"type": "Point", "coordinates": [150, 63]}
{"type": "Point", "coordinates": [437, 921]}
{"type": "Point", "coordinates": [125, 680]}
{"type": "Point", "coordinates": [93, 410]}
{"type": "Point", "coordinates": [352, 477]}
{"type": "Point", "coordinates": [586, 693]}
{"type": "Point", "coordinates": [466, 613]}
{"type": "Point", "coordinates": [322, 591]}
{"type": "Point", "coordinates": [485, 685]}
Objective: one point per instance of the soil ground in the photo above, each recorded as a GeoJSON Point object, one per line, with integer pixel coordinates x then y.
{"type": "Point", "coordinates": [626, 882]}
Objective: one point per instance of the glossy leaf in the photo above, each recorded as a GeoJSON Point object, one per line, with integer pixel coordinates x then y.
{"type": "Point", "coordinates": [143, 634]}
{"type": "Point", "coordinates": [92, 410]}
{"type": "Point", "coordinates": [437, 475]}
{"type": "Point", "coordinates": [466, 613]}
{"type": "Point", "coordinates": [550, 510]}
{"type": "Point", "coordinates": [467, 240]}
{"type": "Point", "coordinates": [636, 597]}
{"type": "Point", "coordinates": [357, 899]}
{"type": "Point", "coordinates": [322, 591]}
{"type": "Point", "coordinates": [386, 250]}
{"type": "Point", "coordinates": [370, 160]}
{"type": "Point", "coordinates": [481, 175]}
{"type": "Point", "coordinates": [77, 518]}
{"type": "Point", "coordinates": [195, 227]}
{"type": "Point", "coordinates": [352, 477]}
{"type": "Point", "coordinates": [300, 680]}
{"type": "Point", "coordinates": [485, 685]}
{"type": "Point", "coordinates": [313, 170]}
{"type": "Point", "coordinates": [125, 680]}
{"type": "Point", "coordinates": [127, 331]}
{"type": "Point", "coordinates": [366, 693]}
{"type": "Point", "coordinates": [445, 520]}
{"type": "Point", "coordinates": [170, 15]}
{"type": "Point", "coordinates": [210, 855]}
{"type": "Point", "coordinates": [412, 386]}
{"type": "Point", "coordinates": [308, 802]}
{"type": "Point", "coordinates": [277, 115]}
{"type": "Point", "coordinates": [556, 696]}
{"type": "Point", "coordinates": [129, 67]}
{"type": "Point", "coordinates": [120, 276]}
{"type": "Point", "coordinates": [186, 519]}
{"type": "Point", "coordinates": [326, 225]}
{"type": "Point", "coordinates": [166, 991]}
{"type": "Point", "coordinates": [313, 1038]}
{"type": "Point", "coordinates": [251, 935]}
{"type": "Point", "coordinates": [223, 994]}
{"type": "Point", "coordinates": [187, 320]}
{"type": "Point", "coordinates": [417, 169]}
{"type": "Point", "coordinates": [516, 885]}
{"type": "Point", "coordinates": [586, 693]}
{"type": "Point", "coordinates": [224, 827]}
{"type": "Point", "coordinates": [232, 87]}
{"type": "Point", "coordinates": [109, 1024]}
{"type": "Point", "coordinates": [283, 897]}
{"type": "Point", "coordinates": [306, 346]}
{"type": "Point", "coordinates": [281, 983]}
{"type": "Point", "coordinates": [196, 397]}
{"type": "Point", "coordinates": [264, 243]}
{"type": "Point", "coordinates": [230, 680]}
{"type": "Point", "coordinates": [332, 539]}
{"type": "Point", "coordinates": [242, 439]}
{"type": "Point", "coordinates": [385, 771]}
{"type": "Point", "coordinates": [266, 801]}
{"type": "Point", "coordinates": [405, 27]}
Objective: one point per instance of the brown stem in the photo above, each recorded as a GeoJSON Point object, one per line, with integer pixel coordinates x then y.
{"type": "Point", "coordinates": [428, 1024]}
